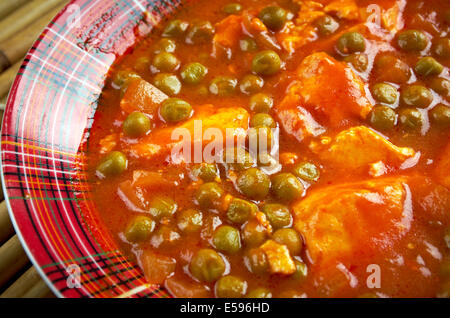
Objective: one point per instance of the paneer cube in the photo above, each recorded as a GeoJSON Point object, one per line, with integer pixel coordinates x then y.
{"type": "Point", "coordinates": [280, 262]}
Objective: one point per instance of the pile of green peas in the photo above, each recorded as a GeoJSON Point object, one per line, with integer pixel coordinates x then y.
{"type": "Point", "coordinates": [413, 100]}
{"type": "Point", "coordinates": [240, 232]}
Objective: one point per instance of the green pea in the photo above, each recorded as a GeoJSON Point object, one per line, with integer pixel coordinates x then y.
{"type": "Point", "coordinates": [286, 187]}
{"type": "Point", "coordinates": [273, 17]}
{"type": "Point", "coordinates": [253, 234]}
{"type": "Point", "coordinates": [190, 221]}
{"type": "Point", "coordinates": [440, 115]}
{"type": "Point", "coordinates": [254, 184]}
{"type": "Point", "coordinates": [266, 63]}
{"type": "Point", "coordinates": [136, 124]}
{"type": "Point", "coordinates": [248, 45]}
{"type": "Point", "coordinates": [139, 229]}
{"type": "Point", "coordinates": [175, 28]}
{"type": "Point", "coordinates": [261, 139]}
{"type": "Point", "coordinates": [162, 207]}
{"type": "Point", "coordinates": [230, 287]}
{"type": "Point", "coordinates": [200, 32]}
{"type": "Point", "coordinates": [209, 194]}
{"type": "Point", "coordinates": [351, 42]}
{"type": "Point", "coordinates": [260, 292]}
{"type": "Point", "coordinates": [427, 66]}
{"type": "Point", "coordinates": [167, 83]}
{"type": "Point", "coordinates": [223, 86]}
{"type": "Point", "coordinates": [416, 96]}
{"type": "Point", "coordinates": [307, 171]}
{"type": "Point", "coordinates": [165, 237]}
{"type": "Point", "coordinates": [227, 239]}
{"type": "Point", "coordinates": [277, 214]}
{"type": "Point", "coordinates": [442, 48]}
{"type": "Point", "coordinates": [411, 119]}
{"type": "Point", "coordinates": [142, 64]}
{"type": "Point", "coordinates": [256, 261]}
{"type": "Point", "coordinates": [123, 78]}
{"type": "Point", "coordinates": [262, 120]}
{"type": "Point", "coordinates": [266, 160]}
{"type": "Point", "coordinates": [206, 171]}
{"type": "Point", "coordinates": [112, 165]}
{"type": "Point", "coordinates": [193, 73]}
{"type": "Point", "coordinates": [301, 271]}
{"type": "Point", "coordinates": [391, 69]}
{"type": "Point", "coordinates": [382, 117]}
{"type": "Point", "coordinates": [251, 84]}
{"type": "Point", "coordinates": [165, 45]}
{"type": "Point", "coordinates": [261, 103]}
{"type": "Point", "coordinates": [239, 211]}
{"type": "Point", "coordinates": [232, 8]}
{"type": "Point", "coordinates": [207, 265]}
{"type": "Point", "coordinates": [441, 86]}
{"type": "Point", "coordinates": [175, 110]}
{"type": "Point", "coordinates": [385, 93]}
{"type": "Point", "coordinates": [326, 25]}
{"type": "Point", "coordinates": [166, 62]}
{"type": "Point", "coordinates": [290, 238]}
{"type": "Point", "coordinates": [238, 159]}
{"type": "Point", "coordinates": [359, 61]}
{"type": "Point", "coordinates": [412, 40]}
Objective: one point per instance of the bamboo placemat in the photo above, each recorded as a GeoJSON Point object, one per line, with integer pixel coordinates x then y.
{"type": "Point", "coordinates": [21, 22]}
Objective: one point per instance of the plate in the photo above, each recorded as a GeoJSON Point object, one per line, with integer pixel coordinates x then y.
{"type": "Point", "coordinates": [46, 125]}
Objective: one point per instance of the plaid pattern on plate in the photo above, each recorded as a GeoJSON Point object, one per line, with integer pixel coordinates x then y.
{"type": "Point", "coordinates": [47, 120]}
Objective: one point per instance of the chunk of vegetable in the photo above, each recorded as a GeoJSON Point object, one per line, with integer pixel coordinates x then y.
{"type": "Point", "coordinates": [156, 267]}
{"type": "Point", "coordinates": [142, 96]}
{"type": "Point", "coordinates": [228, 31]}
{"type": "Point", "coordinates": [181, 288]}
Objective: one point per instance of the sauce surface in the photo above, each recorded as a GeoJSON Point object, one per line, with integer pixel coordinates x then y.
{"type": "Point", "coordinates": [354, 200]}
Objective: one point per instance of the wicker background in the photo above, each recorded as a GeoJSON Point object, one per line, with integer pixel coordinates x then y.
{"type": "Point", "coordinates": [21, 22]}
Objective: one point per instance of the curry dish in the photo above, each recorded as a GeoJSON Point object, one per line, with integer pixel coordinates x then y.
{"type": "Point", "coordinates": [347, 192]}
